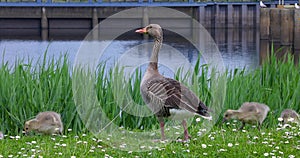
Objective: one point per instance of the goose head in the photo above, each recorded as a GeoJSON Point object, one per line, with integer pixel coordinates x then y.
{"type": "Point", "coordinates": [152, 29]}
{"type": "Point", "coordinates": [30, 126]}
{"type": "Point", "coordinates": [289, 116]}
{"type": "Point", "coordinates": [229, 114]}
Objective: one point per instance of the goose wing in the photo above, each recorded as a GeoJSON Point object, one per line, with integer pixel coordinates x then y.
{"type": "Point", "coordinates": [166, 93]}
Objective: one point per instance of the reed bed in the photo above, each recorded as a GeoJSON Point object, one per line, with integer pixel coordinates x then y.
{"type": "Point", "coordinates": [27, 89]}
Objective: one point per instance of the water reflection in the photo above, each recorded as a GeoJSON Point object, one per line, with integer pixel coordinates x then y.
{"type": "Point", "coordinates": [239, 47]}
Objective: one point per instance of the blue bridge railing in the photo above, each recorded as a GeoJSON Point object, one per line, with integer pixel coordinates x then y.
{"type": "Point", "coordinates": [127, 3]}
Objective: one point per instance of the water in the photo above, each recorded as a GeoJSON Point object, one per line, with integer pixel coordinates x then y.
{"type": "Point", "coordinates": [238, 48]}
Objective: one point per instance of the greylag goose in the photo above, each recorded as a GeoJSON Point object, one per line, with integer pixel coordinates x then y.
{"type": "Point", "coordinates": [289, 115]}
{"type": "Point", "coordinates": [249, 112]}
{"type": "Point", "coordinates": [48, 122]}
{"type": "Point", "coordinates": [166, 97]}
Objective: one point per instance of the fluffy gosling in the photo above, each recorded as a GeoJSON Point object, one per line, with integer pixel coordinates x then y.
{"type": "Point", "coordinates": [249, 112]}
{"type": "Point", "coordinates": [289, 115]}
{"type": "Point", "coordinates": [1, 135]}
{"type": "Point", "coordinates": [45, 122]}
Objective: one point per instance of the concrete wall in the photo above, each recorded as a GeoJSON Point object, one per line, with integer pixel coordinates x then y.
{"type": "Point", "coordinates": [47, 21]}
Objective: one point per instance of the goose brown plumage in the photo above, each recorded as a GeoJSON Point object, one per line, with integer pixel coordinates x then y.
{"type": "Point", "coordinates": [287, 114]}
{"type": "Point", "coordinates": [249, 112]}
{"type": "Point", "coordinates": [166, 97]}
{"type": "Point", "coordinates": [48, 122]}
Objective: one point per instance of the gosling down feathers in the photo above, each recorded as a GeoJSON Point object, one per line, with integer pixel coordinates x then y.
{"type": "Point", "coordinates": [249, 112]}
{"type": "Point", "coordinates": [166, 97]}
{"type": "Point", "coordinates": [48, 122]}
{"type": "Point", "coordinates": [289, 115]}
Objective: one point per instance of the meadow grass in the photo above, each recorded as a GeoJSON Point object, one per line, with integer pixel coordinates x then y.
{"type": "Point", "coordinates": [220, 142]}
{"type": "Point", "coordinates": [27, 89]}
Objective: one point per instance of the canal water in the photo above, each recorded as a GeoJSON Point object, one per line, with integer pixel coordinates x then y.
{"type": "Point", "coordinates": [239, 48]}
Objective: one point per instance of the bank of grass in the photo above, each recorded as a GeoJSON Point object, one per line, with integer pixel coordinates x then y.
{"type": "Point", "coordinates": [219, 142]}
{"type": "Point", "coordinates": [27, 89]}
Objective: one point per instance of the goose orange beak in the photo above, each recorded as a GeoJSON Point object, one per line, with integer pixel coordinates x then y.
{"type": "Point", "coordinates": [143, 30]}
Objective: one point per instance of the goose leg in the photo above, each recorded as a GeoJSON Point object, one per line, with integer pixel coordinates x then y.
{"type": "Point", "coordinates": [242, 126]}
{"type": "Point", "coordinates": [186, 133]}
{"type": "Point", "coordinates": [162, 130]}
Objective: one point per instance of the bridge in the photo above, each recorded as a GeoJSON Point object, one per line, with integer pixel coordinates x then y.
{"type": "Point", "coordinates": [58, 19]}
{"type": "Point", "coordinates": [129, 3]}
{"type": "Point", "coordinates": [46, 18]}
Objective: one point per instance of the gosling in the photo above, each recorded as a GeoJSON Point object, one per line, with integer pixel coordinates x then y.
{"type": "Point", "coordinates": [289, 115]}
{"type": "Point", "coordinates": [1, 135]}
{"type": "Point", "coordinates": [249, 112]}
{"type": "Point", "coordinates": [45, 122]}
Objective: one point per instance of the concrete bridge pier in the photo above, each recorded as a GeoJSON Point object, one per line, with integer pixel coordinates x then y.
{"type": "Point", "coordinates": [95, 22]}
{"type": "Point", "coordinates": [145, 21]}
{"type": "Point", "coordinates": [44, 25]}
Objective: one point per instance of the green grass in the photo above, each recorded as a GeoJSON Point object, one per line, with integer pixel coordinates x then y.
{"type": "Point", "coordinates": [27, 89]}
{"type": "Point", "coordinates": [220, 142]}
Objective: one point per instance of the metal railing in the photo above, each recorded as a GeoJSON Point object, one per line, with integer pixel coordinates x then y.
{"type": "Point", "coordinates": [126, 3]}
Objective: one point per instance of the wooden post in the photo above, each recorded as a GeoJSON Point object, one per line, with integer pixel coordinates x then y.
{"type": "Point", "coordinates": [297, 35]}
{"type": "Point", "coordinates": [244, 40]}
{"type": "Point", "coordinates": [221, 16]}
{"type": "Point", "coordinates": [286, 27]}
{"type": "Point", "coordinates": [275, 18]}
{"type": "Point", "coordinates": [257, 12]}
{"type": "Point", "coordinates": [264, 50]}
{"type": "Point", "coordinates": [257, 43]}
{"type": "Point", "coordinates": [244, 15]}
{"type": "Point", "coordinates": [217, 17]}
{"type": "Point", "coordinates": [251, 16]}
{"type": "Point", "coordinates": [229, 40]}
{"type": "Point", "coordinates": [229, 16]}
{"type": "Point", "coordinates": [264, 23]}
{"type": "Point", "coordinates": [297, 29]}
{"type": "Point", "coordinates": [201, 11]}
{"type": "Point", "coordinates": [210, 12]}
{"type": "Point", "coordinates": [213, 16]}
{"type": "Point", "coordinates": [236, 16]}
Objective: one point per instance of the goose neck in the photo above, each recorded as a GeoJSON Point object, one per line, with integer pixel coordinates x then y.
{"type": "Point", "coordinates": [155, 51]}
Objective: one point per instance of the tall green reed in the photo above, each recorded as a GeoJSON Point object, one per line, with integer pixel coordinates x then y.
{"type": "Point", "coordinates": [27, 89]}
{"type": "Point", "coordinates": [275, 83]}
